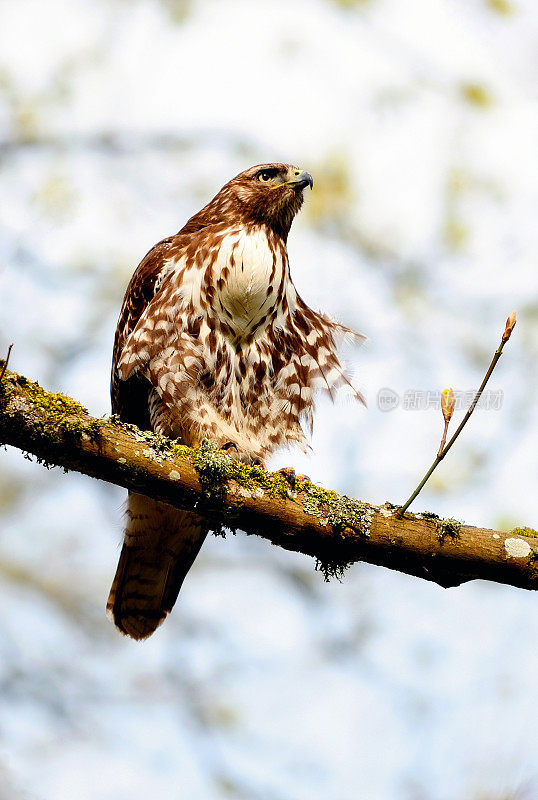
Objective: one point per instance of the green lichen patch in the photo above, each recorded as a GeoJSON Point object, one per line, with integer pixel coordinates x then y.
{"type": "Point", "coordinates": [63, 414]}
{"type": "Point", "coordinates": [255, 480]}
{"type": "Point", "coordinates": [214, 468]}
{"type": "Point", "coordinates": [57, 405]}
{"type": "Point", "coordinates": [339, 511]}
{"type": "Point", "coordinates": [347, 516]}
{"type": "Point", "coordinates": [447, 528]}
{"type": "Point", "coordinates": [524, 532]}
{"type": "Point", "coordinates": [81, 428]}
{"type": "Point", "coordinates": [160, 446]}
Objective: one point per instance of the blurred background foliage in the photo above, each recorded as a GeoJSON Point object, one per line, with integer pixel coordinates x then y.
{"type": "Point", "coordinates": [419, 122]}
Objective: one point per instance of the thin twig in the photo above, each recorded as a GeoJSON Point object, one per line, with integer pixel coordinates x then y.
{"type": "Point", "coordinates": [443, 450]}
{"type": "Point", "coordinates": [6, 362]}
{"type": "Point", "coordinates": [443, 438]}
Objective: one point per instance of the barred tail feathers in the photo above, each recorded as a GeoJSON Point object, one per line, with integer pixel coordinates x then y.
{"type": "Point", "coordinates": [160, 546]}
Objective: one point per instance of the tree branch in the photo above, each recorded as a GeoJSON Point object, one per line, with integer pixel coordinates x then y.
{"type": "Point", "coordinates": [334, 529]}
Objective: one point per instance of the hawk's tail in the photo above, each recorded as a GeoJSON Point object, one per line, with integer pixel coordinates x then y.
{"type": "Point", "coordinates": [160, 546]}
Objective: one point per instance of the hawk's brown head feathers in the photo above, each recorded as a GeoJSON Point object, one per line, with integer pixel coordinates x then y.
{"type": "Point", "coordinates": [268, 194]}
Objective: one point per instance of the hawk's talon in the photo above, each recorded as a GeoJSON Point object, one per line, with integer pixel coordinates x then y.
{"type": "Point", "coordinates": [229, 445]}
{"type": "Point", "coordinates": [258, 462]}
{"type": "Point", "coordinates": [289, 474]}
{"type": "Point", "coordinates": [231, 449]}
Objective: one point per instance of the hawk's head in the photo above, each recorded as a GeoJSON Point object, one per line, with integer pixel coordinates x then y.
{"type": "Point", "coordinates": [270, 194]}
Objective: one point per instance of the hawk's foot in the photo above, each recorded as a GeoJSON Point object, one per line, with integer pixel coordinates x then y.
{"type": "Point", "coordinates": [232, 450]}
{"type": "Point", "coordinates": [291, 476]}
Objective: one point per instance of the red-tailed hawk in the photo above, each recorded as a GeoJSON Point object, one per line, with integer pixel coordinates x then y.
{"type": "Point", "coordinates": [214, 343]}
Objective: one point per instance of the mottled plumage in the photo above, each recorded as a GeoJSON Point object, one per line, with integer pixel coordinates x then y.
{"type": "Point", "coordinates": [213, 342]}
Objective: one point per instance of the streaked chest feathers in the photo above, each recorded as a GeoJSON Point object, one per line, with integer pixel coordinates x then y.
{"type": "Point", "coordinates": [250, 278]}
{"type": "Point", "coordinates": [231, 350]}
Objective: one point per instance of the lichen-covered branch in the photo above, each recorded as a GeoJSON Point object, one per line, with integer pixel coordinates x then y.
{"type": "Point", "coordinates": [334, 529]}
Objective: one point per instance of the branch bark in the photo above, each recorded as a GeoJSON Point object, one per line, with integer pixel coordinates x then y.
{"type": "Point", "coordinates": [334, 529]}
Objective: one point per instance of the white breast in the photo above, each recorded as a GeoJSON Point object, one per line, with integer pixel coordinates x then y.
{"type": "Point", "coordinates": [248, 268]}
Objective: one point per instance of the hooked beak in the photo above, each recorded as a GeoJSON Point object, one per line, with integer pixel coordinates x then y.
{"type": "Point", "coordinates": [302, 180]}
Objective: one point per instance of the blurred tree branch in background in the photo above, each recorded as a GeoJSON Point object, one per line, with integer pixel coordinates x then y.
{"type": "Point", "coordinates": [302, 517]}
{"type": "Point", "coordinates": [117, 142]}
{"type": "Point", "coordinates": [69, 599]}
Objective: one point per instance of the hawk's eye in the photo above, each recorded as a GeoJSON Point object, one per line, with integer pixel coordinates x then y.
{"type": "Point", "coordinates": [265, 176]}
